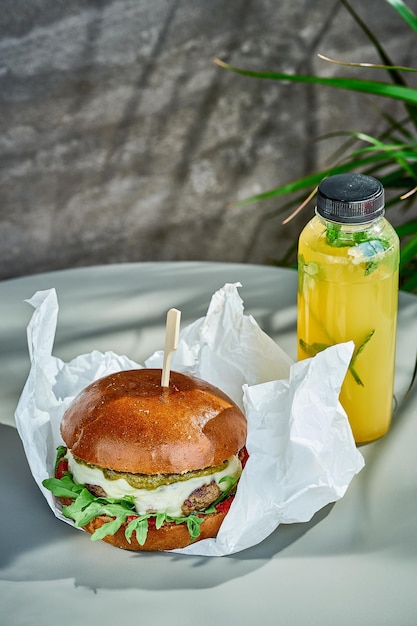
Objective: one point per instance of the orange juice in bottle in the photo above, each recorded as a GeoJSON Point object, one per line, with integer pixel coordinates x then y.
{"type": "Point", "coordinates": [348, 257]}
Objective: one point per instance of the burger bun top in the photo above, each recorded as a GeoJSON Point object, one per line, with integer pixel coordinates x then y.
{"type": "Point", "coordinates": [127, 422]}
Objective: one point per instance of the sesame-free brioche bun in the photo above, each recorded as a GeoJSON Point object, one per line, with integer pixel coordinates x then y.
{"type": "Point", "coordinates": [127, 422]}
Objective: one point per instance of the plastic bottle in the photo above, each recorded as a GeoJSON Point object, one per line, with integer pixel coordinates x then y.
{"type": "Point", "coordinates": [348, 258]}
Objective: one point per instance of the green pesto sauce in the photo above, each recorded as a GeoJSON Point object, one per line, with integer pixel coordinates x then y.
{"type": "Point", "coordinates": [152, 481]}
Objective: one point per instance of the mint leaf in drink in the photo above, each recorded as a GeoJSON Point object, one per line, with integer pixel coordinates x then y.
{"type": "Point", "coordinates": [364, 247]}
{"type": "Point", "coordinates": [314, 348]}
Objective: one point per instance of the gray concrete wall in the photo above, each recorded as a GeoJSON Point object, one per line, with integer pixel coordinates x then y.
{"type": "Point", "coordinates": [121, 140]}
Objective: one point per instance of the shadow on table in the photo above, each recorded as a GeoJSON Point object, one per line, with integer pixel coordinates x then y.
{"type": "Point", "coordinates": [36, 546]}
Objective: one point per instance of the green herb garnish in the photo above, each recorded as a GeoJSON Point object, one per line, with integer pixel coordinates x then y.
{"type": "Point", "coordinates": [367, 245]}
{"type": "Point", "coordinates": [314, 348]}
{"type": "Point", "coordinates": [355, 356]}
{"type": "Point", "coordinates": [85, 507]}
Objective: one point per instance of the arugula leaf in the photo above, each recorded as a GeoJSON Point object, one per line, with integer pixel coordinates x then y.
{"type": "Point", "coordinates": [160, 519]}
{"type": "Point", "coordinates": [61, 487]}
{"type": "Point", "coordinates": [230, 488]}
{"type": "Point", "coordinates": [85, 507]}
{"type": "Point", "coordinates": [138, 525]}
{"type": "Point", "coordinates": [109, 528]}
{"type": "Point", "coordinates": [193, 525]}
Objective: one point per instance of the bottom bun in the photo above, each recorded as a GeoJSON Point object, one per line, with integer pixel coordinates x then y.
{"type": "Point", "coordinates": [169, 537]}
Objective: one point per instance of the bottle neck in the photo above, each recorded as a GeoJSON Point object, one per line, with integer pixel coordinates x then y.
{"type": "Point", "coordinates": [376, 223]}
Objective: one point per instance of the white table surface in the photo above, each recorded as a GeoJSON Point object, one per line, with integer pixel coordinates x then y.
{"type": "Point", "coordinates": [355, 562]}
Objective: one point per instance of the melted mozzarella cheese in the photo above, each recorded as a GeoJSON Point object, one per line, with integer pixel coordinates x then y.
{"type": "Point", "coordinates": [164, 499]}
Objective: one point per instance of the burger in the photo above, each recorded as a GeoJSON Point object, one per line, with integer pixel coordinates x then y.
{"type": "Point", "coordinates": [146, 467]}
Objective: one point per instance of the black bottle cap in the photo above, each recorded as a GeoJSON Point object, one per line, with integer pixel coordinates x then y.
{"type": "Point", "coordinates": [350, 198]}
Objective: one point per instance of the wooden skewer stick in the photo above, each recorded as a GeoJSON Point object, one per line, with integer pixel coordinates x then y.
{"type": "Point", "coordinates": [172, 332]}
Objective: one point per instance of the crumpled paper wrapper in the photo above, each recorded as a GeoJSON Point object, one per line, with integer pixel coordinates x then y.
{"type": "Point", "coordinates": [302, 455]}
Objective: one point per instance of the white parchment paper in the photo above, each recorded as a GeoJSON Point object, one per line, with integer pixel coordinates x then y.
{"type": "Point", "coordinates": [302, 455]}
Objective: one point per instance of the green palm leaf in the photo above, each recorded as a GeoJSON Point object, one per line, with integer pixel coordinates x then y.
{"type": "Point", "coordinates": [387, 90]}
{"type": "Point", "coordinates": [405, 12]}
{"type": "Point", "coordinates": [391, 157]}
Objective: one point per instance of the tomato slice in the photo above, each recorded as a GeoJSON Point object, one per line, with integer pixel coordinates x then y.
{"type": "Point", "coordinates": [61, 468]}
{"type": "Point", "coordinates": [224, 505]}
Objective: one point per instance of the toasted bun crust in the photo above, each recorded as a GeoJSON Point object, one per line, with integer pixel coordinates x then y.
{"type": "Point", "coordinates": [127, 422]}
{"type": "Point", "coordinates": [168, 537]}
